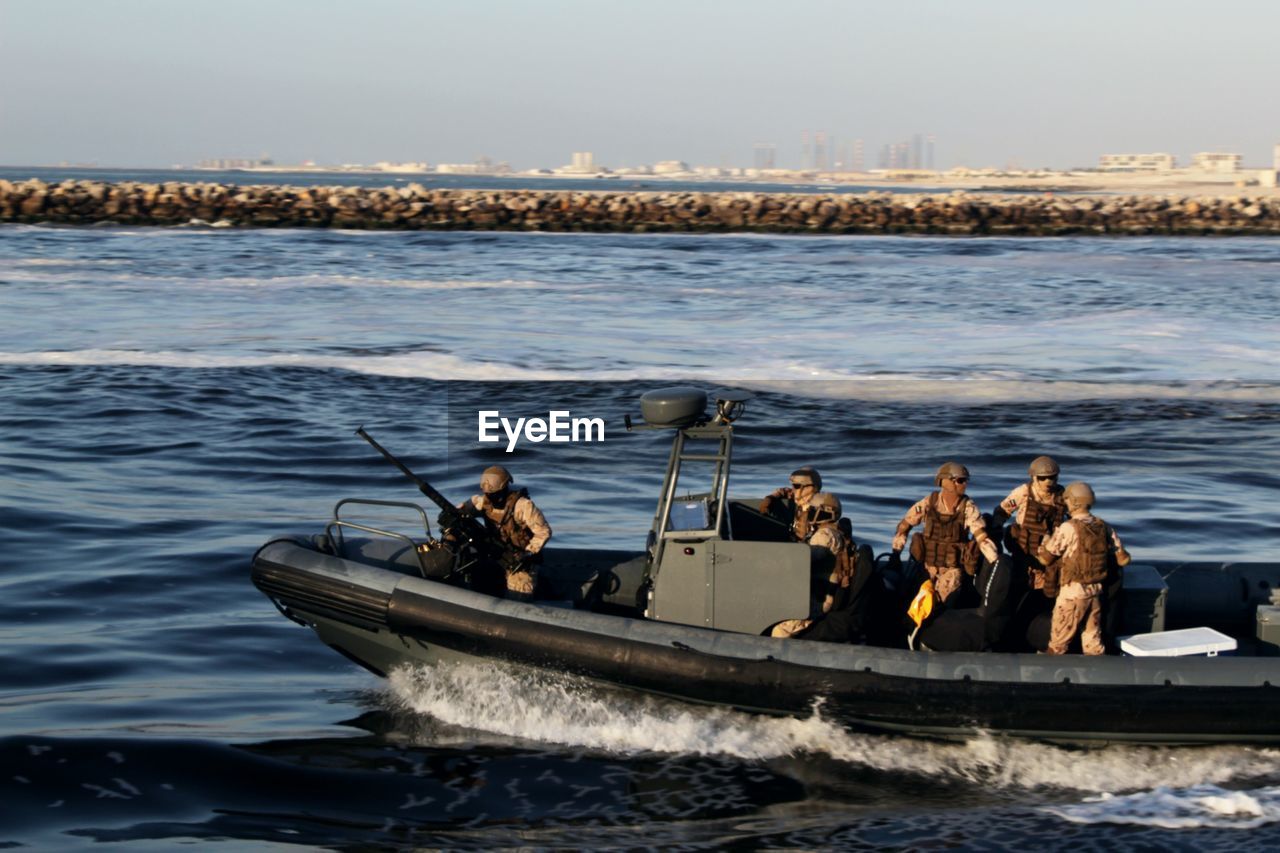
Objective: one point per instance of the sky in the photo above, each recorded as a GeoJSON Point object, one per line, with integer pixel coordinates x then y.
{"type": "Point", "coordinates": [1028, 83]}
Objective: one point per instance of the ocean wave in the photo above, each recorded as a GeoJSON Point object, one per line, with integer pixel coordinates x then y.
{"type": "Point", "coordinates": [798, 379]}
{"type": "Point", "coordinates": [20, 263]}
{"type": "Point", "coordinates": [535, 706]}
{"type": "Point", "coordinates": [54, 272]}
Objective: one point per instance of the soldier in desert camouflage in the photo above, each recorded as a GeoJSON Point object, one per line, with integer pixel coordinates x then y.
{"type": "Point", "coordinates": [513, 520]}
{"type": "Point", "coordinates": [950, 518]}
{"type": "Point", "coordinates": [1083, 550]}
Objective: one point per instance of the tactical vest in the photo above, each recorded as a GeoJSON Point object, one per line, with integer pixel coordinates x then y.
{"type": "Point", "coordinates": [503, 524]}
{"type": "Point", "coordinates": [1088, 562]}
{"type": "Point", "coordinates": [944, 536]}
{"type": "Point", "coordinates": [1039, 520]}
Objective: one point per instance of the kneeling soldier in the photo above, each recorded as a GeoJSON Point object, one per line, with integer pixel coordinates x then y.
{"type": "Point", "coordinates": [1086, 545]}
{"type": "Point", "coordinates": [519, 526]}
{"type": "Point", "coordinates": [950, 517]}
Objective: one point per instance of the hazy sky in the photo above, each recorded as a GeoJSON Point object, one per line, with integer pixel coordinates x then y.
{"type": "Point", "coordinates": [160, 82]}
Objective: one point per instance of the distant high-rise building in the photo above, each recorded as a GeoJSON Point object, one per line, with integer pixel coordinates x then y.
{"type": "Point", "coordinates": [899, 153]}
{"type": "Point", "coordinates": [916, 159]}
{"type": "Point", "coordinates": [928, 152]}
{"type": "Point", "coordinates": [805, 161]}
{"type": "Point", "coordinates": [583, 161]}
{"type": "Point", "coordinates": [856, 161]}
{"type": "Point", "coordinates": [1275, 157]}
{"type": "Point", "coordinates": [820, 150]}
{"type": "Point", "coordinates": [766, 155]}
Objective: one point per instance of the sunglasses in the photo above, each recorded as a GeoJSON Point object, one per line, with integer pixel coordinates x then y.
{"type": "Point", "coordinates": [958, 479]}
{"type": "Point", "coordinates": [1050, 477]}
{"type": "Point", "coordinates": [801, 485]}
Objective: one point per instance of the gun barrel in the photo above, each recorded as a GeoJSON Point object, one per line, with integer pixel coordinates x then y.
{"type": "Point", "coordinates": [423, 486]}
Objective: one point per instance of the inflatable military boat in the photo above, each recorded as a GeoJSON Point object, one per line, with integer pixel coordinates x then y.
{"type": "Point", "coordinates": [688, 617]}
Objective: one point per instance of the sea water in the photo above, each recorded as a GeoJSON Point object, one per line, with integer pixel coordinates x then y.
{"type": "Point", "coordinates": [174, 397]}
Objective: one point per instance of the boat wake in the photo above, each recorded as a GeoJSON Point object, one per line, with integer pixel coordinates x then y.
{"type": "Point", "coordinates": [1196, 807]}
{"type": "Point", "coordinates": [539, 707]}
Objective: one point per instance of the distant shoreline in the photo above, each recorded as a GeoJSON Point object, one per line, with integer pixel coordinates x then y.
{"type": "Point", "coordinates": [1184, 182]}
{"type": "Point", "coordinates": [620, 210]}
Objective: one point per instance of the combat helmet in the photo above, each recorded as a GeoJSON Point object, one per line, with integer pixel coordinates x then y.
{"type": "Point", "coordinates": [1043, 466]}
{"type": "Point", "coordinates": [1079, 492]}
{"type": "Point", "coordinates": [948, 470]}
{"type": "Point", "coordinates": [494, 479]}
{"type": "Point", "coordinates": [825, 507]}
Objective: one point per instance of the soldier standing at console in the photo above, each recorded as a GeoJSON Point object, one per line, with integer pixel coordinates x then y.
{"type": "Point", "coordinates": [790, 504]}
{"type": "Point", "coordinates": [950, 517]}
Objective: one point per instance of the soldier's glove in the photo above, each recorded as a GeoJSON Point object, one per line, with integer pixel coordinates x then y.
{"type": "Point", "coordinates": [899, 542]}
{"type": "Point", "coordinates": [989, 550]}
{"type": "Point", "coordinates": [468, 510]}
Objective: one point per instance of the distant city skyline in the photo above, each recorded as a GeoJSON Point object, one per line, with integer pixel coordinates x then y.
{"type": "Point", "coordinates": [994, 83]}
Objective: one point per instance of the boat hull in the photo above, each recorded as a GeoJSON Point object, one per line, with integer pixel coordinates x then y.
{"type": "Point", "coordinates": [383, 619]}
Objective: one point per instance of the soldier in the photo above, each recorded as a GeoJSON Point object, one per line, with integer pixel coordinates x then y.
{"type": "Point", "coordinates": [791, 503]}
{"type": "Point", "coordinates": [944, 548]}
{"type": "Point", "coordinates": [1087, 547]}
{"type": "Point", "coordinates": [1037, 509]}
{"type": "Point", "coordinates": [839, 614]}
{"type": "Point", "coordinates": [513, 520]}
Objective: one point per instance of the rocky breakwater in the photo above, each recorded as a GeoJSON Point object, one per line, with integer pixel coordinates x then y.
{"type": "Point", "coordinates": [415, 207]}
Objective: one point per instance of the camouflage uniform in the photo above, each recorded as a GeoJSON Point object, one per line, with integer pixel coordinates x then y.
{"type": "Point", "coordinates": [943, 561]}
{"type": "Point", "coordinates": [1087, 546]}
{"type": "Point", "coordinates": [520, 526]}
{"type": "Point", "coordinates": [1036, 514]}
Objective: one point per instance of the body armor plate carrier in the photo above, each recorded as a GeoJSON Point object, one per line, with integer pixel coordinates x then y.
{"type": "Point", "coordinates": [1088, 562]}
{"type": "Point", "coordinates": [502, 523]}
{"type": "Point", "coordinates": [945, 541]}
{"type": "Point", "coordinates": [1039, 520]}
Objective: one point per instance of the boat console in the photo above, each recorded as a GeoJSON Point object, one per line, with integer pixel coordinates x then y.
{"type": "Point", "coordinates": [699, 572]}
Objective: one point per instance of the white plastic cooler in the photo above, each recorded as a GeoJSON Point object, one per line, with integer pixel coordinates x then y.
{"type": "Point", "coordinates": [1187, 641]}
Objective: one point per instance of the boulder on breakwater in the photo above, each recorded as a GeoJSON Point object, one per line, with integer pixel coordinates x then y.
{"type": "Point", "coordinates": [415, 207]}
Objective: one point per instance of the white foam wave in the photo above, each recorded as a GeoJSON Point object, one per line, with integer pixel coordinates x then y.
{"type": "Point", "coordinates": [50, 271]}
{"type": "Point", "coordinates": [317, 280]}
{"type": "Point", "coordinates": [61, 262]}
{"type": "Point", "coordinates": [1196, 807]}
{"type": "Point", "coordinates": [552, 708]}
{"type": "Point", "coordinates": [977, 388]}
{"type": "Point", "coordinates": [421, 365]}
{"type": "Point", "coordinates": [794, 378]}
